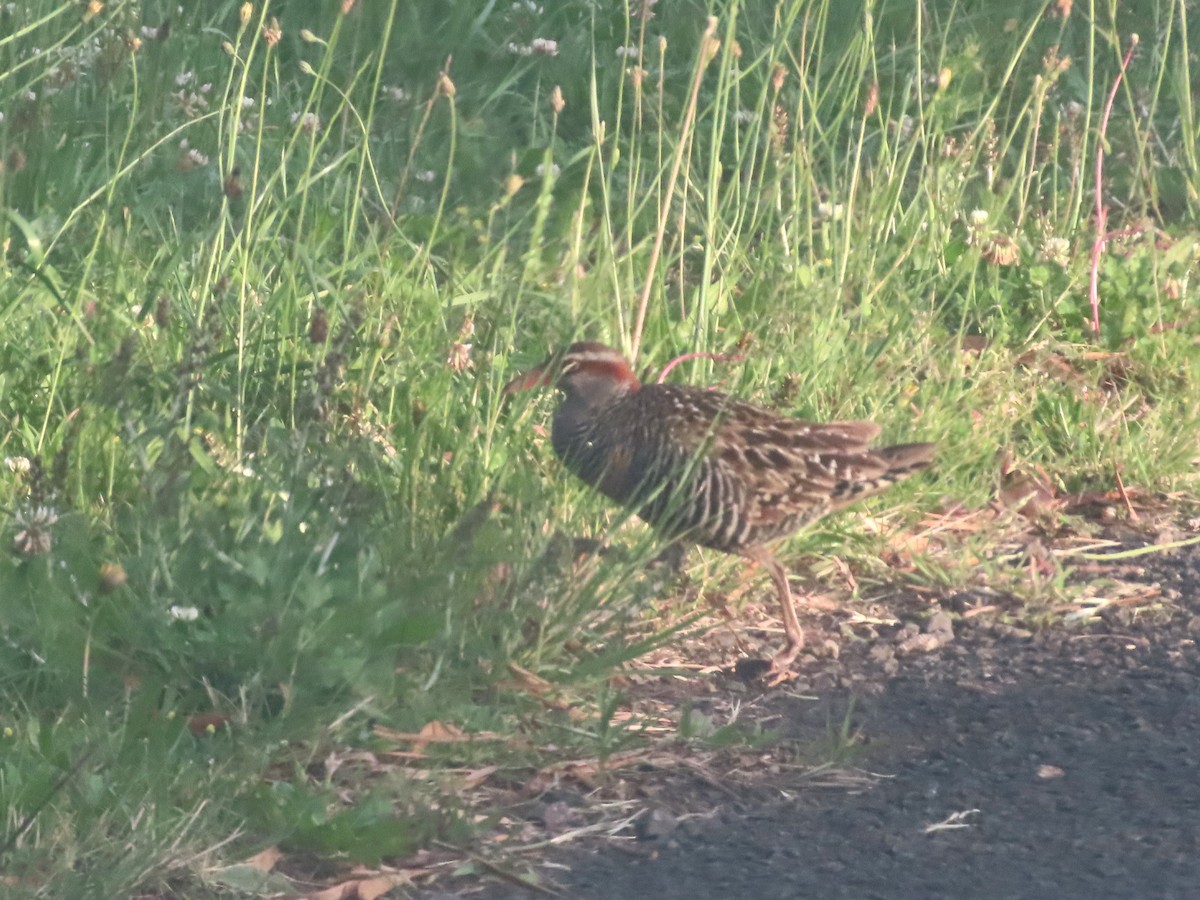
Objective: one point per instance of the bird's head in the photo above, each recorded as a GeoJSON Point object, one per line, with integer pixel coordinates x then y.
{"type": "Point", "coordinates": [587, 371]}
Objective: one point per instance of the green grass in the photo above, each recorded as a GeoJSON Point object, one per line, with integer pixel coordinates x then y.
{"type": "Point", "coordinates": [226, 367]}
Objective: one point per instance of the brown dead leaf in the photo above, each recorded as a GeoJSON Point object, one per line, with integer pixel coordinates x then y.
{"type": "Point", "coordinates": [904, 545]}
{"type": "Point", "coordinates": [547, 692]}
{"type": "Point", "coordinates": [1052, 365]}
{"type": "Point", "coordinates": [974, 343]}
{"type": "Point", "coordinates": [528, 681]}
{"type": "Point", "coordinates": [587, 770]}
{"type": "Point", "coordinates": [201, 724]}
{"type": "Point", "coordinates": [872, 102]}
{"type": "Point", "coordinates": [1029, 496]}
{"type": "Point", "coordinates": [956, 518]}
{"type": "Point", "coordinates": [476, 777]}
{"type": "Point", "coordinates": [265, 860]}
{"type": "Point", "coordinates": [1029, 493]}
{"type": "Point", "coordinates": [436, 732]}
{"type": "Point", "coordinates": [370, 888]}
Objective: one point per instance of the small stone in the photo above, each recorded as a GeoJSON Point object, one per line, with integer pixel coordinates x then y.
{"type": "Point", "coordinates": [558, 816]}
{"type": "Point", "coordinates": [941, 625]}
{"type": "Point", "coordinates": [882, 654]}
{"type": "Point", "coordinates": [1003, 630]}
{"type": "Point", "coordinates": [919, 643]}
{"type": "Point", "coordinates": [656, 823]}
{"type": "Point", "coordinates": [1047, 773]}
{"type": "Point", "coordinates": [725, 640]}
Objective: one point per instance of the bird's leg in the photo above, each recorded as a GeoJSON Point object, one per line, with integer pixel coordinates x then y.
{"type": "Point", "coordinates": [673, 556]}
{"type": "Point", "coordinates": [791, 623]}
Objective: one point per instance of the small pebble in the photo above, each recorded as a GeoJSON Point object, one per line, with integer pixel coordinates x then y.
{"type": "Point", "coordinates": [656, 823]}
{"type": "Point", "coordinates": [942, 625]}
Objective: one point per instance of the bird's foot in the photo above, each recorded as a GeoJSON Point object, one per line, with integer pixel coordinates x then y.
{"type": "Point", "coordinates": [775, 677]}
{"type": "Point", "coordinates": [673, 556]}
{"type": "Point", "coordinates": [781, 664]}
{"type": "Point", "coordinates": [774, 671]}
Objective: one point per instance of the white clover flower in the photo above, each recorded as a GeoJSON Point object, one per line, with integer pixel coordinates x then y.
{"type": "Point", "coordinates": [832, 211]}
{"type": "Point", "coordinates": [190, 158]}
{"type": "Point", "coordinates": [308, 121]}
{"type": "Point", "coordinates": [428, 176]}
{"type": "Point", "coordinates": [189, 103]}
{"type": "Point", "coordinates": [34, 538]}
{"type": "Point", "coordinates": [519, 49]}
{"type": "Point", "coordinates": [541, 170]}
{"type": "Point", "coordinates": [1057, 250]}
{"type": "Point", "coordinates": [628, 53]}
{"type": "Point", "coordinates": [184, 613]}
{"type": "Point", "coordinates": [396, 94]}
{"type": "Point", "coordinates": [544, 47]}
{"type": "Point", "coordinates": [247, 103]}
{"type": "Point", "coordinates": [979, 218]}
{"type": "Point", "coordinates": [19, 464]}
{"type": "Point", "coordinates": [183, 79]}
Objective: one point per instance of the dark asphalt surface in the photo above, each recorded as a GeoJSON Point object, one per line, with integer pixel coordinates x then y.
{"type": "Point", "coordinates": [1071, 758]}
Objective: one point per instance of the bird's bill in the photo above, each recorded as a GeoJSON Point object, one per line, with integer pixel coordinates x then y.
{"type": "Point", "coordinates": [534, 378]}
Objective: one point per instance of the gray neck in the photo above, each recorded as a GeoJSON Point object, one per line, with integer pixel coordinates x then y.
{"type": "Point", "coordinates": [587, 395]}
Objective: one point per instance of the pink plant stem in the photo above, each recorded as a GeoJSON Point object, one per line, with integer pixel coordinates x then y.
{"type": "Point", "coordinates": [1101, 209]}
{"type": "Point", "coordinates": [724, 357]}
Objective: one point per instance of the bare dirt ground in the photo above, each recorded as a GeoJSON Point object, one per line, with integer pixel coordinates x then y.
{"type": "Point", "coordinates": [991, 763]}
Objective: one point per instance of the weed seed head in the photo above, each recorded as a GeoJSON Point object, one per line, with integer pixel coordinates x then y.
{"type": "Point", "coordinates": [1001, 250]}
{"type": "Point", "coordinates": [309, 122]}
{"type": "Point", "coordinates": [272, 32]}
{"type": "Point", "coordinates": [34, 537]}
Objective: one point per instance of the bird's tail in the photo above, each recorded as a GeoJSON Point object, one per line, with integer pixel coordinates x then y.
{"type": "Point", "coordinates": [895, 463]}
{"type": "Point", "coordinates": [904, 459]}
